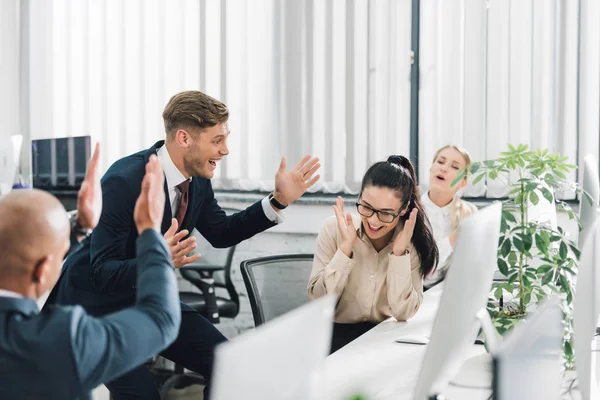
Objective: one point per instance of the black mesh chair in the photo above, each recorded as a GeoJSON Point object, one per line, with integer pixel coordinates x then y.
{"type": "Point", "coordinates": [217, 297]}
{"type": "Point", "coordinates": [276, 284]}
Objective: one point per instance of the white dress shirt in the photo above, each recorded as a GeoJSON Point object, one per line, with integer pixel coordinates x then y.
{"type": "Point", "coordinates": [441, 224]}
{"type": "Point", "coordinates": [9, 293]}
{"type": "Point", "coordinates": [174, 177]}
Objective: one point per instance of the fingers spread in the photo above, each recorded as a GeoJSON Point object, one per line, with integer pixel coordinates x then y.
{"type": "Point", "coordinates": [300, 164]}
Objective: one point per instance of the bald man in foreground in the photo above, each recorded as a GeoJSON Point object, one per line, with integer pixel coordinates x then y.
{"type": "Point", "coordinates": [62, 352]}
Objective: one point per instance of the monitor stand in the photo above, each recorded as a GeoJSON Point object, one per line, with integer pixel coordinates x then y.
{"type": "Point", "coordinates": [475, 373]}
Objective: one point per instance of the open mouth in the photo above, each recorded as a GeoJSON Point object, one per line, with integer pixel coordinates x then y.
{"type": "Point", "coordinates": [374, 228]}
{"type": "Point", "coordinates": [440, 177]}
{"type": "Point", "coordinates": [213, 163]}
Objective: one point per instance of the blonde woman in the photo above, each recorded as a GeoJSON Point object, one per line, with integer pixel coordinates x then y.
{"type": "Point", "coordinates": [443, 205]}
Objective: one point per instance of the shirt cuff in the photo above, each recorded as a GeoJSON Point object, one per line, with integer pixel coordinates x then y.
{"type": "Point", "coordinates": [271, 214]}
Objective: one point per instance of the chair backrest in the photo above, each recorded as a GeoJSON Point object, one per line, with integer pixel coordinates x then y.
{"type": "Point", "coordinates": [214, 256]}
{"type": "Point", "coordinates": [588, 213]}
{"type": "Point", "coordinates": [276, 284]}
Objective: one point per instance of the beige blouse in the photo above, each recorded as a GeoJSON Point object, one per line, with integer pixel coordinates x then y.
{"type": "Point", "coordinates": [371, 286]}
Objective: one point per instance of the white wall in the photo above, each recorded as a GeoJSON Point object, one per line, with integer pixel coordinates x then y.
{"type": "Point", "coordinates": [9, 69]}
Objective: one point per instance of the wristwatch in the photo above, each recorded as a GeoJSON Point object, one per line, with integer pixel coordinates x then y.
{"type": "Point", "coordinates": [275, 203]}
{"type": "Point", "coordinates": [76, 227]}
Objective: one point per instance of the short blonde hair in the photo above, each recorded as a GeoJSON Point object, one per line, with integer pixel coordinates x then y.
{"type": "Point", "coordinates": [460, 209]}
{"type": "Point", "coordinates": [463, 152]}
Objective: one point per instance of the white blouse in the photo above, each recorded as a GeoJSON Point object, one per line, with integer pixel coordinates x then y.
{"type": "Point", "coordinates": [441, 224]}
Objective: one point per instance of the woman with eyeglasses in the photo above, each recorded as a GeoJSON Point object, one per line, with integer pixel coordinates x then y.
{"type": "Point", "coordinates": [375, 261]}
{"type": "Point", "coordinates": [443, 205]}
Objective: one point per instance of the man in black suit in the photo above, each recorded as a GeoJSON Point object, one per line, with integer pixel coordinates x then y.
{"type": "Point", "coordinates": [63, 352]}
{"type": "Point", "coordinates": [101, 275]}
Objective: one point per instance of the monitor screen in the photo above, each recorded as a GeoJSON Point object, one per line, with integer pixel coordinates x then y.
{"type": "Point", "coordinates": [59, 164]}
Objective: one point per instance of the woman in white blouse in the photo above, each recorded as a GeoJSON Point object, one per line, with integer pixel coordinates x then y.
{"type": "Point", "coordinates": [443, 205]}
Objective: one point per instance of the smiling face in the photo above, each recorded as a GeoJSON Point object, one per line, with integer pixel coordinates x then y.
{"type": "Point", "coordinates": [444, 170]}
{"type": "Point", "coordinates": [206, 148]}
{"type": "Point", "coordinates": [384, 200]}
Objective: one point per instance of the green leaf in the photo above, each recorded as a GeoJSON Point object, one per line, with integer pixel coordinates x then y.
{"type": "Point", "coordinates": [498, 293]}
{"type": "Point", "coordinates": [512, 258]}
{"type": "Point", "coordinates": [526, 280]}
{"type": "Point", "coordinates": [527, 241]}
{"type": "Point", "coordinates": [527, 298]}
{"type": "Point", "coordinates": [507, 215]}
{"type": "Point", "coordinates": [563, 250]}
{"type": "Point", "coordinates": [575, 250]}
{"type": "Point", "coordinates": [534, 198]}
{"type": "Point", "coordinates": [522, 147]}
{"type": "Point", "coordinates": [505, 249]}
{"type": "Point", "coordinates": [541, 244]}
{"type": "Point", "coordinates": [547, 277]}
{"type": "Point", "coordinates": [544, 268]}
{"type": "Point", "coordinates": [502, 266]}
{"type": "Point", "coordinates": [568, 348]}
{"type": "Point", "coordinates": [479, 178]}
{"type": "Point", "coordinates": [459, 178]}
{"type": "Point", "coordinates": [531, 186]}
{"type": "Point", "coordinates": [519, 244]}
{"type": "Point", "coordinates": [547, 194]}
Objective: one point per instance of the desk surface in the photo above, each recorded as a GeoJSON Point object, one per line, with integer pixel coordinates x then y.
{"type": "Point", "coordinates": [378, 367]}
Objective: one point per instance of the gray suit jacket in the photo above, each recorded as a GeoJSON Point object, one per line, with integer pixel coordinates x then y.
{"type": "Point", "coordinates": [63, 353]}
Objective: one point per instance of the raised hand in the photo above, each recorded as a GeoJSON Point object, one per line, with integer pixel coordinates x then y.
{"type": "Point", "coordinates": [180, 249]}
{"type": "Point", "coordinates": [405, 236]}
{"type": "Point", "coordinates": [289, 186]}
{"type": "Point", "coordinates": [89, 197]}
{"type": "Point", "coordinates": [150, 205]}
{"type": "Point", "coordinates": [346, 227]}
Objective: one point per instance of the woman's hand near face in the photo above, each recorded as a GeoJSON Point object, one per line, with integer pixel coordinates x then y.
{"type": "Point", "coordinates": [404, 237]}
{"type": "Point", "coordinates": [346, 227]}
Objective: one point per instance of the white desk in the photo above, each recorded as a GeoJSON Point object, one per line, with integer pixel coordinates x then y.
{"type": "Point", "coordinates": [380, 368]}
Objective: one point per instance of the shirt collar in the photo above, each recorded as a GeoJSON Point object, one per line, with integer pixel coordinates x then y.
{"type": "Point", "coordinates": [427, 202]}
{"type": "Point", "coordinates": [9, 293]}
{"type": "Point", "coordinates": [172, 175]}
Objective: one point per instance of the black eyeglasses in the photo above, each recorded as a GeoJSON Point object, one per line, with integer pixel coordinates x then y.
{"type": "Point", "coordinates": [383, 216]}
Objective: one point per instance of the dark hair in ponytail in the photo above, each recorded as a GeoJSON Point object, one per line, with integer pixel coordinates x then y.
{"type": "Point", "coordinates": [398, 173]}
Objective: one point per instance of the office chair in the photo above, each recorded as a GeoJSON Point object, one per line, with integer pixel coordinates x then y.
{"type": "Point", "coordinates": [276, 284]}
{"type": "Point", "coordinates": [211, 273]}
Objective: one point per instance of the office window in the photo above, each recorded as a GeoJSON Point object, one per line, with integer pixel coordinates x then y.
{"type": "Point", "coordinates": [329, 77]}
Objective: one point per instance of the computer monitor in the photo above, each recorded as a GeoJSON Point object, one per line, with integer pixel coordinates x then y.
{"type": "Point", "coordinates": [277, 359]}
{"type": "Point", "coordinates": [588, 213]}
{"type": "Point", "coordinates": [528, 362]}
{"type": "Point", "coordinates": [466, 289]}
{"type": "Point", "coordinates": [586, 308]}
{"type": "Point", "coordinates": [58, 165]}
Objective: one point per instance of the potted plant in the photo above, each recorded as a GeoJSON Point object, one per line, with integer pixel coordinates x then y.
{"type": "Point", "coordinates": [536, 257]}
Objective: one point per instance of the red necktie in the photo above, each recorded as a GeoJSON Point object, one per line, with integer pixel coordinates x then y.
{"type": "Point", "coordinates": [184, 188]}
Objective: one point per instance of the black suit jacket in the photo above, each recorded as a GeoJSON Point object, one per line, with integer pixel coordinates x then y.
{"type": "Point", "coordinates": [101, 275]}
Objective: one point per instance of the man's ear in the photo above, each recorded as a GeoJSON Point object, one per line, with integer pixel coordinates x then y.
{"type": "Point", "coordinates": [182, 137]}
{"type": "Point", "coordinates": [42, 271]}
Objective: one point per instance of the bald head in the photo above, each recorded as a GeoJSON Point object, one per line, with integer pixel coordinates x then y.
{"type": "Point", "coordinates": [33, 227]}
